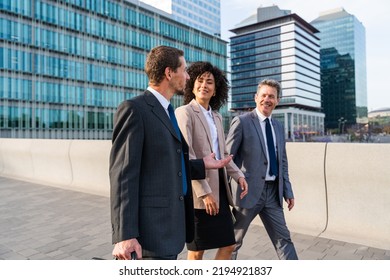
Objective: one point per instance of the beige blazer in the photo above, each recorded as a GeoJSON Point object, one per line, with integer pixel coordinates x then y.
{"type": "Point", "coordinates": [196, 132]}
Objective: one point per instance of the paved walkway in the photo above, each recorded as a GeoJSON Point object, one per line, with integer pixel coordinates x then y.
{"type": "Point", "coordinates": [42, 223]}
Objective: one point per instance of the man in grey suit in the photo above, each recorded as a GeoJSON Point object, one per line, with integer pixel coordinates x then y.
{"type": "Point", "coordinates": [261, 155]}
{"type": "Point", "coordinates": [150, 171]}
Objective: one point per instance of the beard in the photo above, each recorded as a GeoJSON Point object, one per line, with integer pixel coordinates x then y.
{"type": "Point", "coordinates": [177, 86]}
{"type": "Point", "coordinates": [179, 92]}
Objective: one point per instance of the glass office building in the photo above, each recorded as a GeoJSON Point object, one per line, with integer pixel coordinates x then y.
{"type": "Point", "coordinates": [66, 65]}
{"type": "Point", "coordinates": [204, 15]}
{"type": "Point", "coordinates": [279, 45]}
{"type": "Point", "coordinates": [343, 68]}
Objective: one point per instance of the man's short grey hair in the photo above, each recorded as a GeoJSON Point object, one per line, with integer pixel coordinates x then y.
{"type": "Point", "coordinates": [272, 83]}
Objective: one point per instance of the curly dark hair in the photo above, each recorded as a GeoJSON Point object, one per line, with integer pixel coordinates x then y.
{"type": "Point", "coordinates": [221, 83]}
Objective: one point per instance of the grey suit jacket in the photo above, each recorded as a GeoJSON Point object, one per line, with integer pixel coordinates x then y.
{"type": "Point", "coordinates": [246, 142]}
{"type": "Point", "coordinates": [196, 131]}
{"type": "Point", "coordinates": [147, 200]}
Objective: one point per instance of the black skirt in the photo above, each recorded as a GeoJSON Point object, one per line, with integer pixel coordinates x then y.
{"type": "Point", "coordinates": [214, 231]}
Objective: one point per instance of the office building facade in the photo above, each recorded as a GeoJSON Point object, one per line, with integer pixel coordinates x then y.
{"type": "Point", "coordinates": [343, 69]}
{"type": "Point", "coordinates": [279, 45]}
{"type": "Point", "coordinates": [204, 15]}
{"type": "Point", "coordinates": [66, 65]}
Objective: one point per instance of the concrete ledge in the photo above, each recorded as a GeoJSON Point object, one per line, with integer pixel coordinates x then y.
{"type": "Point", "coordinates": [90, 163]}
{"type": "Point", "coordinates": [358, 180]}
{"type": "Point", "coordinates": [51, 161]}
{"type": "Point", "coordinates": [1, 157]}
{"type": "Point", "coordinates": [306, 169]}
{"type": "Point", "coordinates": [71, 164]}
{"type": "Point", "coordinates": [16, 158]}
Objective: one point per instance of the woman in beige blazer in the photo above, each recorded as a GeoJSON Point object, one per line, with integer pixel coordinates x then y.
{"type": "Point", "coordinates": [201, 125]}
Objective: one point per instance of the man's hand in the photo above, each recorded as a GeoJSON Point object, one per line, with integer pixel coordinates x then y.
{"type": "Point", "coordinates": [244, 187]}
{"type": "Point", "coordinates": [123, 249]}
{"type": "Point", "coordinates": [290, 203]}
{"type": "Point", "coordinates": [211, 163]}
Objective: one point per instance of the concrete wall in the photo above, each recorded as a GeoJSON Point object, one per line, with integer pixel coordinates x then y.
{"type": "Point", "coordinates": [80, 165]}
{"type": "Point", "coordinates": [342, 191]}
{"type": "Point", "coordinates": [306, 169]}
{"type": "Point", "coordinates": [358, 191]}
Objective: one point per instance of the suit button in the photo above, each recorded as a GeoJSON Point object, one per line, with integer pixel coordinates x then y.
{"type": "Point", "coordinates": [262, 177]}
{"type": "Point", "coordinates": [181, 197]}
{"type": "Point", "coordinates": [265, 163]}
{"type": "Point", "coordinates": [178, 151]}
{"type": "Point", "coordinates": [179, 173]}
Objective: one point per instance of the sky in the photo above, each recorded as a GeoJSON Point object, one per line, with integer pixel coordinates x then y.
{"type": "Point", "coordinates": [374, 15]}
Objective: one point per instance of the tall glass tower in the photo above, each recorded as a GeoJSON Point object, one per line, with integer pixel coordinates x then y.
{"type": "Point", "coordinates": [343, 68]}
{"type": "Point", "coordinates": [204, 15]}
{"type": "Point", "coordinates": [66, 65]}
{"type": "Point", "coordinates": [277, 44]}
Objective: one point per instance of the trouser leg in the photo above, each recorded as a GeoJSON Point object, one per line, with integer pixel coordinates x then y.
{"type": "Point", "coordinates": [274, 222]}
{"type": "Point", "coordinates": [243, 219]}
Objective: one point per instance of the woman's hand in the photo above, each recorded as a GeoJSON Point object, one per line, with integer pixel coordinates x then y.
{"type": "Point", "coordinates": [210, 204]}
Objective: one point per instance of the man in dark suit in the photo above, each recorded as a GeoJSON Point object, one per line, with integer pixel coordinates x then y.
{"type": "Point", "coordinates": [258, 146]}
{"type": "Point", "coordinates": [150, 172]}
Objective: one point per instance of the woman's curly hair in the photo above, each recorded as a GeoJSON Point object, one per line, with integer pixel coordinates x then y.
{"type": "Point", "coordinates": [221, 83]}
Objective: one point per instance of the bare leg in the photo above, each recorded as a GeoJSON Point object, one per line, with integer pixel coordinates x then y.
{"type": "Point", "coordinates": [195, 255]}
{"type": "Point", "coordinates": [225, 253]}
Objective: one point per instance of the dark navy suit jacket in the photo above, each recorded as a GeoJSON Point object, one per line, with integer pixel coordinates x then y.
{"type": "Point", "coordinates": [147, 200]}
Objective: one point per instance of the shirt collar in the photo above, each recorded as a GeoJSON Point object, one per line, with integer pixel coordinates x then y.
{"type": "Point", "coordinates": [261, 116]}
{"type": "Point", "coordinates": [163, 101]}
{"type": "Point", "coordinates": [204, 110]}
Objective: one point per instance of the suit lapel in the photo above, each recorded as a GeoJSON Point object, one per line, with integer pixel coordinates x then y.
{"type": "Point", "coordinates": [198, 112]}
{"type": "Point", "coordinates": [160, 112]}
{"type": "Point", "coordinates": [256, 123]}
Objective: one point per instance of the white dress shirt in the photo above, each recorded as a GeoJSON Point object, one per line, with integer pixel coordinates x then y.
{"type": "Point", "coordinates": [262, 125]}
{"type": "Point", "coordinates": [163, 101]}
{"type": "Point", "coordinates": [213, 129]}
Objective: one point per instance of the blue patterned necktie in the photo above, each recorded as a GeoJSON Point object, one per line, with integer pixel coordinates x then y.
{"type": "Point", "coordinates": [273, 166]}
{"type": "Point", "coordinates": [176, 127]}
